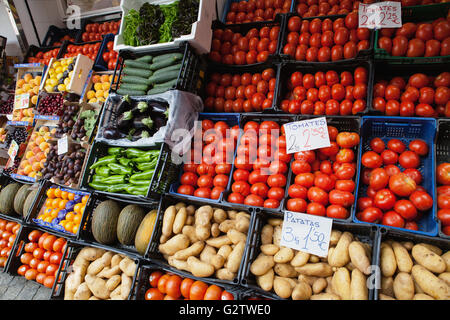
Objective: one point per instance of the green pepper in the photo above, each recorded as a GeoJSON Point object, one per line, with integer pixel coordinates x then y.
{"type": "Point", "coordinates": [103, 171]}
{"type": "Point", "coordinates": [149, 156]}
{"type": "Point", "coordinates": [115, 151]}
{"type": "Point", "coordinates": [103, 161]}
{"type": "Point", "coordinates": [144, 166]}
{"type": "Point", "coordinates": [146, 175]}
{"type": "Point", "coordinates": [140, 182]}
{"type": "Point", "coordinates": [116, 179]}
{"type": "Point", "coordinates": [117, 187]}
{"type": "Point", "coordinates": [125, 162]}
{"type": "Point", "coordinates": [137, 190]}
{"type": "Point", "coordinates": [119, 169]}
{"type": "Point", "coordinates": [97, 178]}
{"type": "Point", "coordinates": [98, 186]}
{"type": "Point", "coordinates": [134, 153]}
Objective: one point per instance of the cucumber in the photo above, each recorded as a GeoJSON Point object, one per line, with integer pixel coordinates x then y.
{"type": "Point", "coordinates": [157, 90]}
{"type": "Point", "coordinates": [136, 80]}
{"type": "Point", "coordinates": [137, 72]}
{"type": "Point", "coordinates": [164, 77]}
{"type": "Point", "coordinates": [176, 56]}
{"type": "Point", "coordinates": [137, 64]}
{"type": "Point", "coordinates": [163, 63]}
{"type": "Point", "coordinates": [166, 69]}
{"type": "Point", "coordinates": [146, 59]}
{"type": "Point", "coordinates": [134, 86]}
{"type": "Point", "coordinates": [125, 92]}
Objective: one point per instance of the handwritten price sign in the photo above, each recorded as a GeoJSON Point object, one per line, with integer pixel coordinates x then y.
{"type": "Point", "coordinates": [307, 233]}
{"type": "Point", "coordinates": [63, 145]}
{"type": "Point", "coordinates": [307, 135]}
{"type": "Point", "coordinates": [13, 149]}
{"type": "Point", "coordinates": [387, 14]}
{"type": "Point", "coordinates": [22, 101]}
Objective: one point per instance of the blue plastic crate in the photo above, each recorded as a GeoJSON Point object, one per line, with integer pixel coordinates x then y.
{"type": "Point", "coordinates": [406, 129]}
{"type": "Point", "coordinates": [231, 119]}
{"type": "Point", "coordinates": [99, 63]}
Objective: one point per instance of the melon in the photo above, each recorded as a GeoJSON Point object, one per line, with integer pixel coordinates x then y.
{"type": "Point", "coordinates": [144, 232]}
{"type": "Point", "coordinates": [19, 199]}
{"type": "Point", "coordinates": [29, 201]}
{"type": "Point", "coordinates": [129, 220]}
{"type": "Point", "coordinates": [104, 222]}
{"type": "Point", "coordinates": [7, 198]}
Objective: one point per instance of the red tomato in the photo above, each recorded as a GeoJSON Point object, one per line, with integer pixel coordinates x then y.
{"type": "Point", "coordinates": [393, 219]}
{"type": "Point", "coordinates": [423, 201]}
{"type": "Point", "coordinates": [409, 159]}
{"type": "Point", "coordinates": [406, 209]}
{"type": "Point", "coordinates": [371, 159]}
{"type": "Point", "coordinates": [371, 214]}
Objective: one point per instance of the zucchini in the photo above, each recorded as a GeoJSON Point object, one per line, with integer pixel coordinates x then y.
{"type": "Point", "coordinates": [137, 72]}
{"type": "Point", "coordinates": [137, 64]}
{"type": "Point", "coordinates": [146, 59]}
{"type": "Point", "coordinates": [163, 87]}
{"type": "Point", "coordinates": [128, 92]}
{"type": "Point", "coordinates": [157, 90]}
{"type": "Point", "coordinates": [134, 79]}
{"type": "Point", "coordinates": [163, 63]}
{"type": "Point", "coordinates": [164, 77]}
{"type": "Point", "coordinates": [169, 68]}
{"type": "Point", "coordinates": [176, 56]}
{"type": "Point", "coordinates": [134, 86]}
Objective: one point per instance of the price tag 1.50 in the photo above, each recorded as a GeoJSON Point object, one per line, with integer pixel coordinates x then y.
{"type": "Point", "coordinates": [386, 14]}
{"type": "Point", "coordinates": [307, 233]}
{"type": "Point", "coordinates": [307, 135]}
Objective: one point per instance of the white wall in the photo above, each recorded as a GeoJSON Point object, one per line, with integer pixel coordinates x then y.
{"type": "Point", "coordinates": [7, 30]}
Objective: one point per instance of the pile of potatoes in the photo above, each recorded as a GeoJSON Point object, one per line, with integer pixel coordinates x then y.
{"type": "Point", "coordinates": [414, 271]}
{"type": "Point", "coordinates": [342, 275]}
{"type": "Point", "coordinates": [204, 241]}
{"type": "Point", "coordinates": [98, 274]}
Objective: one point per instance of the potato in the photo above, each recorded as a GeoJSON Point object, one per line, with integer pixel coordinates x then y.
{"type": "Point", "coordinates": [285, 270]}
{"type": "Point", "coordinates": [178, 264]}
{"type": "Point", "coordinates": [308, 279]}
{"type": "Point", "coordinates": [428, 259]}
{"type": "Point", "coordinates": [387, 286]}
{"type": "Point", "coordinates": [340, 256]}
{"type": "Point", "coordinates": [207, 253]}
{"type": "Point", "coordinates": [430, 284]}
{"type": "Point", "coordinates": [262, 265]}
{"type": "Point", "coordinates": [358, 257]}
{"type": "Point", "coordinates": [113, 282]}
{"type": "Point", "coordinates": [242, 223]}
{"type": "Point", "coordinates": [314, 259]}
{"type": "Point", "coordinates": [227, 225]}
{"type": "Point", "coordinates": [190, 209]}
{"type": "Point", "coordinates": [385, 297]}
{"type": "Point", "coordinates": [125, 286]}
{"type": "Point", "coordinates": [319, 285]}
{"type": "Point", "coordinates": [302, 291]}
{"type": "Point", "coordinates": [225, 251]}
{"type": "Point", "coordinates": [408, 245]}
{"type": "Point", "coordinates": [199, 268]}
{"type": "Point", "coordinates": [422, 296]}
{"type": "Point", "coordinates": [236, 236]}
{"type": "Point", "coordinates": [341, 283]}
{"type": "Point", "coordinates": [274, 222]}
{"type": "Point", "coordinates": [219, 241]}
{"type": "Point", "coordinates": [388, 263]}
{"type": "Point", "coordinates": [215, 232]}
{"type": "Point", "coordinates": [115, 260]}
{"type": "Point", "coordinates": [445, 276]}
{"type": "Point", "coordinates": [334, 237]}
{"type": "Point", "coordinates": [432, 248]}
{"type": "Point", "coordinates": [315, 269]}
{"type": "Point", "coordinates": [282, 287]}
{"type": "Point", "coordinates": [235, 257]}
{"type": "Point", "coordinates": [265, 281]}
{"type": "Point", "coordinates": [108, 272]}
{"type": "Point", "coordinates": [192, 250]}
{"type": "Point", "coordinates": [89, 254]}
{"type": "Point", "coordinates": [403, 286]}
{"type": "Point", "coordinates": [168, 219]}
{"type": "Point", "coordinates": [266, 234]}
{"type": "Point", "coordinates": [232, 214]}
{"type": "Point", "coordinates": [128, 266]}
{"type": "Point", "coordinates": [225, 274]}
{"type": "Point", "coordinates": [96, 266]}
{"type": "Point", "coordinates": [325, 296]}
{"type": "Point", "coordinates": [277, 235]}
{"type": "Point", "coordinates": [446, 258]}
{"type": "Point", "coordinates": [269, 249]}
{"type": "Point", "coordinates": [284, 255]}
{"type": "Point", "coordinates": [189, 231]}
{"type": "Point", "coordinates": [219, 216]}
{"type": "Point", "coordinates": [358, 287]}
{"type": "Point", "coordinates": [83, 292]}
{"type": "Point", "coordinates": [179, 220]}
{"type": "Point", "coordinates": [180, 205]}
{"type": "Point", "coordinates": [97, 286]}
{"type": "Point", "coordinates": [300, 259]}
{"type": "Point", "coordinates": [404, 261]}
{"type": "Point", "coordinates": [174, 244]}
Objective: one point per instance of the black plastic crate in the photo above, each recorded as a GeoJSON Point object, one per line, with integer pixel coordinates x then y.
{"type": "Point", "coordinates": [165, 172]}
{"type": "Point", "coordinates": [227, 7]}
{"type": "Point", "coordinates": [55, 34]}
{"type": "Point", "coordinates": [288, 68]}
{"type": "Point", "coordinates": [156, 257]}
{"type": "Point", "coordinates": [400, 236]}
{"type": "Point", "coordinates": [240, 70]}
{"type": "Point", "coordinates": [86, 232]}
{"type": "Point", "coordinates": [98, 20]}
{"type": "Point", "coordinates": [190, 77]}
{"type": "Point", "coordinates": [442, 149]}
{"type": "Point", "coordinates": [281, 119]}
{"type": "Point", "coordinates": [145, 269]}
{"type": "Point", "coordinates": [39, 203]}
{"type": "Point", "coordinates": [33, 50]}
{"type": "Point", "coordinates": [361, 54]}
{"type": "Point", "coordinates": [72, 250]}
{"type": "Point", "coordinates": [343, 124]}
{"type": "Point", "coordinates": [364, 233]}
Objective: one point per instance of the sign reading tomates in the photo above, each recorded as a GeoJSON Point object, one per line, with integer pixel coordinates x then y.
{"type": "Point", "coordinates": [386, 14]}
{"type": "Point", "coordinates": [307, 135]}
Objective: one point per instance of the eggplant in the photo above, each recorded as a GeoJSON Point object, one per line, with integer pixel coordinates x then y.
{"type": "Point", "coordinates": [125, 121]}
{"type": "Point", "coordinates": [136, 134]}
{"type": "Point", "coordinates": [124, 105]}
{"type": "Point", "coordinates": [141, 108]}
{"type": "Point", "coordinates": [143, 122]}
{"type": "Point", "coordinates": [112, 133]}
{"type": "Point", "coordinates": [159, 107]}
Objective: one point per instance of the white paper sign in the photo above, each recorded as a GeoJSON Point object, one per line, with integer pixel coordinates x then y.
{"type": "Point", "coordinates": [63, 145]}
{"type": "Point", "coordinates": [305, 232]}
{"type": "Point", "coordinates": [307, 135]}
{"type": "Point", "coordinates": [386, 14]}
{"type": "Point", "coordinates": [13, 149]}
{"type": "Point", "coordinates": [22, 101]}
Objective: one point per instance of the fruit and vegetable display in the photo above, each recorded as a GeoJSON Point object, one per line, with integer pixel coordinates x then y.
{"type": "Point", "coordinates": [168, 286]}
{"type": "Point", "coordinates": [244, 11]}
{"type": "Point", "coordinates": [99, 274]}
{"type": "Point", "coordinates": [294, 274]}
{"type": "Point", "coordinates": [328, 93]}
{"type": "Point", "coordinates": [50, 105]}
{"type": "Point", "coordinates": [422, 39]}
{"type": "Point", "coordinates": [41, 257]}
{"type": "Point", "coordinates": [205, 241]}
{"type": "Point", "coordinates": [240, 92]}
{"type": "Point", "coordinates": [394, 195]}
{"type": "Point", "coordinates": [416, 96]}
{"type": "Point", "coordinates": [261, 166]}
{"type": "Point", "coordinates": [209, 179]}
{"type": "Point", "coordinates": [95, 31]}
{"type": "Point", "coordinates": [414, 270]}
{"type": "Point", "coordinates": [59, 75]}
{"type": "Point", "coordinates": [124, 170]}
{"type": "Point", "coordinates": [443, 196]}
{"type": "Point", "coordinates": [323, 40]}
{"type": "Point", "coordinates": [308, 9]}
{"type": "Point", "coordinates": [324, 182]}
{"type": "Point", "coordinates": [235, 48]}
{"type": "Point", "coordinates": [43, 56]}
{"type": "Point", "coordinates": [89, 49]}
{"type": "Point", "coordinates": [149, 75]}
{"type": "Point", "coordinates": [9, 231]}
{"type": "Point", "coordinates": [29, 84]}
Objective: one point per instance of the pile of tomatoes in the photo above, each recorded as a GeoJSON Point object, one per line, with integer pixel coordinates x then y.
{"type": "Point", "coordinates": [64, 38]}
{"type": "Point", "coordinates": [261, 166]}
{"type": "Point", "coordinates": [419, 95]}
{"type": "Point", "coordinates": [315, 8]}
{"type": "Point", "coordinates": [240, 93]}
{"type": "Point", "coordinates": [44, 57]}
{"type": "Point", "coordinates": [169, 286]}
{"type": "Point", "coordinates": [322, 40]}
{"type": "Point", "coordinates": [89, 49]}
{"type": "Point", "coordinates": [443, 194]}
{"type": "Point", "coordinates": [95, 31]}
{"type": "Point", "coordinates": [394, 197]}
{"type": "Point", "coordinates": [41, 257]}
{"type": "Point", "coordinates": [209, 178]}
{"type": "Point", "coordinates": [8, 233]}
{"type": "Point", "coordinates": [424, 39]}
{"type": "Point", "coordinates": [326, 93]}
{"type": "Point", "coordinates": [110, 56]}
{"type": "Point", "coordinates": [323, 183]}
{"type": "Point", "coordinates": [245, 11]}
{"type": "Point", "coordinates": [233, 48]}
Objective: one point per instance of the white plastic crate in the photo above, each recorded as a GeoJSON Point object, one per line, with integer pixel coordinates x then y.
{"type": "Point", "coordinates": [201, 33]}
